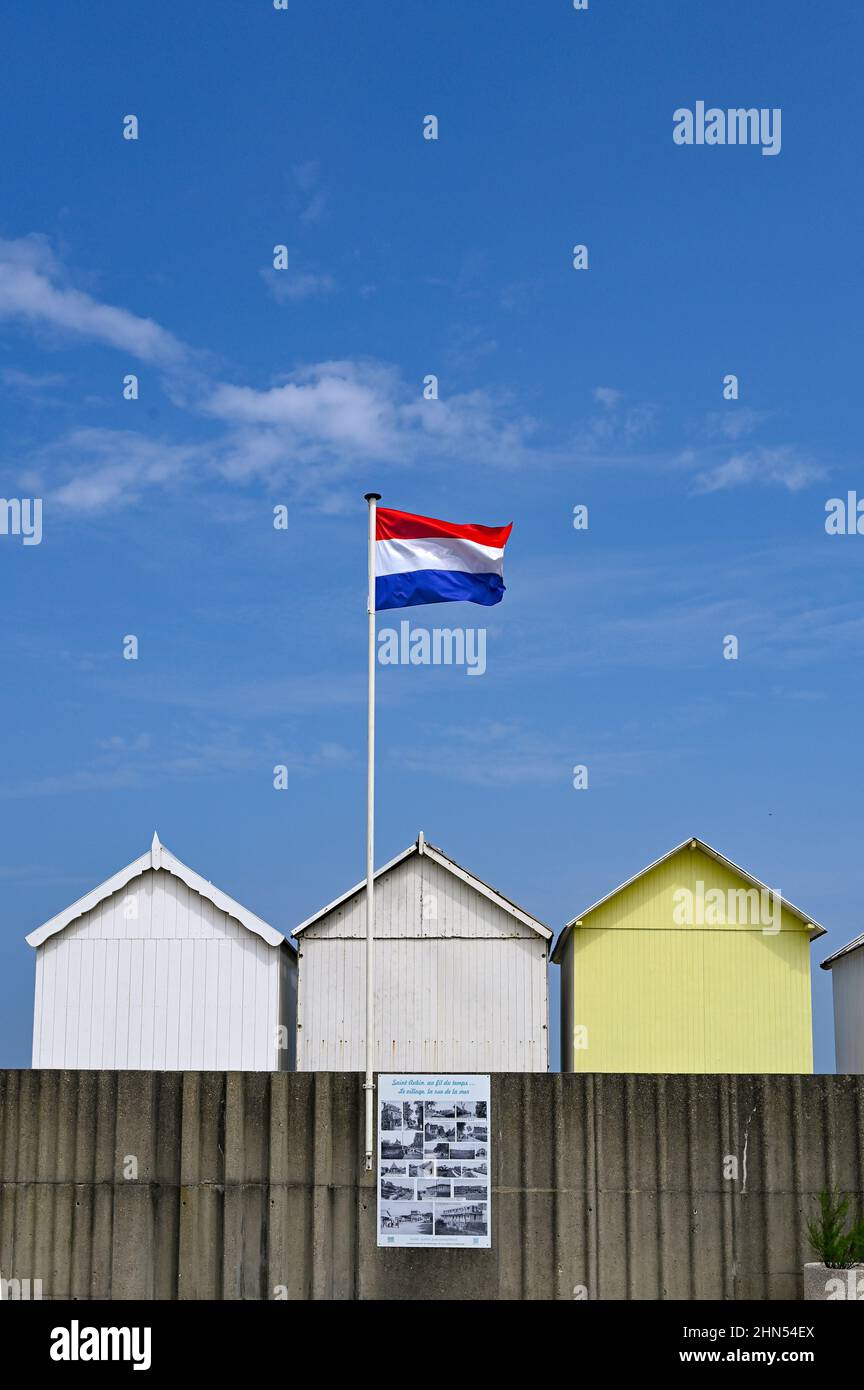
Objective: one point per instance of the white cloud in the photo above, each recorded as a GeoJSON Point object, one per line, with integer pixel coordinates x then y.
{"type": "Point", "coordinates": [510, 754]}
{"type": "Point", "coordinates": [286, 285]}
{"type": "Point", "coordinates": [333, 411]}
{"type": "Point", "coordinates": [254, 697]}
{"type": "Point", "coordinates": [781, 464]}
{"type": "Point", "coordinates": [736, 421]}
{"type": "Point", "coordinates": [333, 402]}
{"type": "Point", "coordinates": [123, 763]}
{"type": "Point", "coordinates": [315, 209]}
{"type": "Point", "coordinates": [30, 293]}
{"type": "Point", "coordinates": [31, 383]}
{"type": "Point", "coordinates": [111, 468]}
{"type": "Point", "coordinates": [618, 426]}
{"type": "Point", "coordinates": [309, 430]}
{"type": "Point", "coordinates": [307, 177]}
{"type": "Point", "coordinates": [311, 427]}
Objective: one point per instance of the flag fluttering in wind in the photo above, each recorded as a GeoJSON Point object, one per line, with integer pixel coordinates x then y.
{"type": "Point", "coordinates": [410, 560]}
{"type": "Point", "coordinates": [421, 560]}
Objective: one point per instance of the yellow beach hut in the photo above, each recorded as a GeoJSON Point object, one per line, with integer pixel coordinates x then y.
{"type": "Point", "coordinates": [692, 965]}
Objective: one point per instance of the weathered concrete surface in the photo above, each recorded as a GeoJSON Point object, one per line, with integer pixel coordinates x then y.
{"type": "Point", "coordinates": [826, 1285]}
{"type": "Point", "coordinates": [250, 1181]}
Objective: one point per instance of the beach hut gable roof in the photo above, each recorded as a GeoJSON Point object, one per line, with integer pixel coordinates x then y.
{"type": "Point", "coordinates": [421, 846]}
{"type": "Point", "coordinates": [853, 945]}
{"type": "Point", "coordinates": [692, 841]}
{"type": "Point", "coordinates": [160, 858]}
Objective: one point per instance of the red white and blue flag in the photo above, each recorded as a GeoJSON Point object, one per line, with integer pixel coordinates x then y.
{"type": "Point", "coordinates": [421, 560]}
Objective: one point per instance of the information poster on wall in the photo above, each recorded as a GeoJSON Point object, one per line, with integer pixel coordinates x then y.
{"type": "Point", "coordinates": [434, 1161]}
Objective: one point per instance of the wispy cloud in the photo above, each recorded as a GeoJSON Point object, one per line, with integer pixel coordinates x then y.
{"type": "Point", "coordinates": [262, 697]}
{"type": "Point", "coordinates": [288, 285]}
{"type": "Point", "coordinates": [129, 763]}
{"type": "Point", "coordinates": [735, 422]}
{"type": "Point", "coordinates": [790, 607]}
{"type": "Point", "coordinates": [470, 345]}
{"type": "Point", "coordinates": [311, 427]}
{"type": "Point", "coordinates": [620, 426]}
{"type": "Point", "coordinates": [338, 411]}
{"type": "Point", "coordinates": [781, 464]}
{"type": "Point", "coordinates": [332, 402]}
{"type": "Point", "coordinates": [91, 470]}
{"type": "Point", "coordinates": [31, 383]}
{"type": "Point", "coordinates": [32, 292]}
{"type": "Point", "coordinates": [308, 179]}
{"type": "Point", "coordinates": [511, 754]}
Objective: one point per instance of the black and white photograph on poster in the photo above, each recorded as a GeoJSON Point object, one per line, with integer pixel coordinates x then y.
{"type": "Point", "coordinates": [391, 1117]}
{"type": "Point", "coordinates": [443, 1197]}
{"type": "Point", "coordinates": [413, 1143]}
{"type": "Point", "coordinates": [462, 1219]}
{"type": "Point", "coordinates": [404, 1219]}
{"type": "Point", "coordinates": [397, 1190]}
{"type": "Point", "coordinates": [438, 1131]}
{"type": "Point", "coordinates": [460, 1151]}
{"type": "Point", "coordinates": [422, 1170]}
{"type": "Point", "coordinates": [470, 1192]}
{"type": "Point", "coordinates": [437, 1188]}
{"type": "Point", "coordinates": [471, 1133]}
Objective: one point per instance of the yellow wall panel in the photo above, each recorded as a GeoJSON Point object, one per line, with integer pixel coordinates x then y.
{"type": "Point", "coordinates": [758, 1002]}
{"type": "Point", "coordinates": [644, 994]}
{"type": "Point", "coordinates": [650, 900]}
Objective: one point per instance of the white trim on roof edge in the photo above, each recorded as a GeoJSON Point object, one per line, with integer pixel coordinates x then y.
{"type": "Point", "coordinates": [815, 929]}
{"type": "Point", "coordinates": [422, 846]}
{"type": "Point", "coordinates": [853, 945]}
{"type": "Point", "coordinates": [159, 858]}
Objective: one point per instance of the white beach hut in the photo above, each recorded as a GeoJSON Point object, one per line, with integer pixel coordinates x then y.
{"type": "Point", "coordinates": [460, 975]}
{"type": "Point", "coordinates": [847, 979]}
{"type": "Point", "coordinates": [156, 969]}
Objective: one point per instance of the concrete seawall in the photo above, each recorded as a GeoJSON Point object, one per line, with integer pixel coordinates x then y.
{"type": "Point", "coordinates": [251, 1185]}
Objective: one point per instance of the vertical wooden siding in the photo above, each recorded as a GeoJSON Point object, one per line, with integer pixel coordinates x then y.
{"type": "Point", "coordinates": [157, 978]}
{"type": "Point", "coordinates": [847, 979]}
{"type": "Point", "coordinates": [653, 996]}
{"type": "Point", "coordinates": [459, 983]}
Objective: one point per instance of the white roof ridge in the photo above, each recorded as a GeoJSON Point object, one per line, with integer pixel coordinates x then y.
{"type": "Point", "coordinates": [422, 846]}
{"type": "Point", "coordinates": [158, 857]}
{"type": "Point", "coordinates": [850, 946]}
{"type": "Point", "coordinates": [816, 928]}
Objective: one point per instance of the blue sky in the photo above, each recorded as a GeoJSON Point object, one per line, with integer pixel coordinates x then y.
{"type": "Point", "coordinates": [304, 388]}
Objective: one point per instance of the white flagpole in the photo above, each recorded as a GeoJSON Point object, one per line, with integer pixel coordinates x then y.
{"type": "Point", "coordinates": [368, 1086]}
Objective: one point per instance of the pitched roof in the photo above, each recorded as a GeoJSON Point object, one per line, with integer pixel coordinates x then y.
{"type": "Point", "coordinates": [422, 846]}
{"type": "Point", "coordinates": [846, 950]}
{"type": "Point", "coordinates": [814, 927]}
{"type": "Point", "coordinates": [159, 858]}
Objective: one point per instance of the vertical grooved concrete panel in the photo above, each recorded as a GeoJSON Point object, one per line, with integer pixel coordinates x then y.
{"type": "Point", "coordinates": [250, 1185]}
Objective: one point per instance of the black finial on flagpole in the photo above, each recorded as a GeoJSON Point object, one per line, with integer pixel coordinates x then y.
{"type": "Point", "coordinates": [372, 496]}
